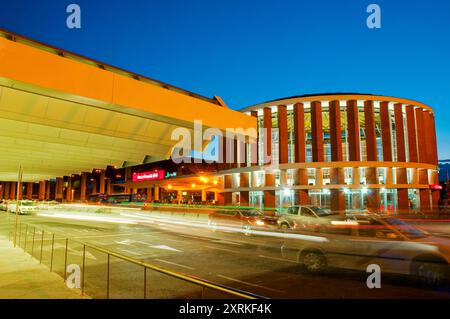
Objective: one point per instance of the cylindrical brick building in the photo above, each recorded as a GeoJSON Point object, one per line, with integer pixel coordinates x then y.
{"type": "Point", "coordinates": [341, 151]}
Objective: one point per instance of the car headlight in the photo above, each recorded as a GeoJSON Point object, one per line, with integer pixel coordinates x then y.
{"type": "Point", "coordinates": [259, 223]}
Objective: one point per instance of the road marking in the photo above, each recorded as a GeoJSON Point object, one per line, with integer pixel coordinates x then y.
{"type": "Point", "coordinates": [165, 247]}
{"type": "Point", "coordinates": [224, 249]}
{"type": "Point", "coordinates": [251, 284]}
{"type": "Point", "coordinates": [279, 259]}
{"type": "Point", "coordinates": [175, 264]}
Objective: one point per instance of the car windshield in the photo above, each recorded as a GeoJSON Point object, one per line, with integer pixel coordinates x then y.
{"type": "Point", "coordinates": [320, 212]}
{"type": "Point", "coordinates": [405, 228]}
{"type": "Point", "coordinates": [251, 213]}
{"type": "Point", "coordinates": [26, 203]}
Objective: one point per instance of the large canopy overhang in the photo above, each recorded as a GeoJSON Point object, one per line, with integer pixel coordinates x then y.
{"type": "Point", "coordinates": [62, 114]}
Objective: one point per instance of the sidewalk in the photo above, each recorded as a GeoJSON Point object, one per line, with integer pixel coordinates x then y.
{"type": "Point", "coordinates": [22, 277]}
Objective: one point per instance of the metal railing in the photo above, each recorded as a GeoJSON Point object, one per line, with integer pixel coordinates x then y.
{"type": "Point", "coordinates": [59, 251]}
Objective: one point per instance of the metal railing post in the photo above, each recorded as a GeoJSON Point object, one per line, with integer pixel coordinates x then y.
{"type": "Point", "coordinates": [51, 256]}
{"type": "Point", "coordinates": [42, 245]}
{"type": "Point", "coordinates": [82, 273]}
{"type": "Point", "coordinates": [65, 260]}
{"type": "Point", "coordinates": [145, 282]}
{"type": "Point", "coordinates": [107, 279]}
{"type": "Point", "coordinates": [26, 233]}
{"type": "Point", "coordinates": [32, 243]}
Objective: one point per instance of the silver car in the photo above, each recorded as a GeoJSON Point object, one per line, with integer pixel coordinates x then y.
{"type": "Point", "coordinates": [392, 244]}
{"type": "Point", "coordinates": [307, 217]}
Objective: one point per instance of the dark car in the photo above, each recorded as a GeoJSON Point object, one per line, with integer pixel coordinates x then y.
{"type": "Point", "coordinates": [243, 220]}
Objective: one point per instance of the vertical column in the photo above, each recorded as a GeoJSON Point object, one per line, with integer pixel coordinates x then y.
{"type": "Point", "coordinates": [267, 122]}
{"type": "Point", "coordinates": [302, 179]}
{"type": "Point", "coordinates": [421, 136]}
{"type": "Point", "coordinates": [299, 133]}
{"type": "Point", "coordinates": [354, 148]}
{"type": "Point", "coordinates": [69, 189]}
{"type": "Point", "coordinates": [336, 173]}
{"type": "Point", "coordinates": [244, 182]}
{"type": "Point", "coordinates": [149, 194]}
{"type": "Point", "coordinates": [386, 131]}
{"type": "Point", "coordinates": [59, 189]}
{"type": "Point", "coordinates": [269, 195]}
{"type": "Point", "coordinates": [282, 135]}
{"type": "Point", "coordinates": [373, 198]}
{"type": "Point", "coordinates": [317, 131]}
{"type": "Point", "coordinates": [101, 188]}
{"type": "Point", "coordinates": [203, 195]}
{"type": "Point", "coordinates": [227, 183]}
{"type": "Point", "coordinates": [41, 190]}
{"type": "Point", "coordinates": [108, 186]}
{"type": "Point", "coordinates": [127, 178]}
{"type": "Point", "coordinates": [12, 190]}
{"type": "Point", "coordinates": [83, 187]}
{"type": "Point", "coordinates": [47, 190]}
{"type": "Point", "coordinates": [424, 193]}
{"type": "Point", "coordinates": [30, 190]}
{"type": "Point", "coordinates": [412, 141]}
{"type": "Point", "coordinates": [255, 150]}
{"type": "Point", "coordinates": [434, 159]}
{"type": "Point", "coordinates": [156, 193]}
{"type": "Point", "coordinates": [402, 193]}
{"type": "Point", "coordinates": [2, 188]}
{"type": "Point", "coordinates": [20, 191]}
{"type": "Point", "coordinates": [7, 190]}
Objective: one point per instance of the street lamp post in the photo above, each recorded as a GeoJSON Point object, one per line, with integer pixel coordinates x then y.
{"type": "Point", "coordinates": [19, 182]}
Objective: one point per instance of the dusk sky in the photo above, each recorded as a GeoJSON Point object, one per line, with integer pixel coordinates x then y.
{"type": "Point", "coordinates": [252, 51]}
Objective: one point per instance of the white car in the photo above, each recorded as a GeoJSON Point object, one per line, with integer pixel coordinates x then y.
{"type": "Point", "coordinates": [25, 207]}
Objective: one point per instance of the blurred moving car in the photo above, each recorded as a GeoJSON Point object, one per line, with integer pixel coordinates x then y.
{"type": "Point", "coordinates": [53, 204]}
{"type": "Point", "coordinates": [242, 219]}
{"type": "Point", "coordinates": [25, 207]}
{"type": "Point", "coordinates": [3, 205]}
{"type": "Point", "coordinates": [394, 245]}
{"type": "Point", "coordinates": [307, 217]}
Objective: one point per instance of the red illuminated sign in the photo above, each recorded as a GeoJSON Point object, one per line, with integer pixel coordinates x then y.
{"type": "Point", "coordinates": [149, 176]}
{"type": "Point", "coordinates": [435, 187]}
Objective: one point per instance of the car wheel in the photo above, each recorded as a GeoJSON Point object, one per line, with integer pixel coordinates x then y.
{"type": "Point", "coordinates": [284, 227]}
{"type": "Point", "coordinates": [430, 272]}
{"type": "Point", "coordinates": [247, 229]}
{"type": "Point", "coordinates": [314, 261]}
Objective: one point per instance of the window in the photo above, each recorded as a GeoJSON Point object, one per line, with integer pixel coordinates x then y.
{"type": "Point", "coordinates": [306, 212]}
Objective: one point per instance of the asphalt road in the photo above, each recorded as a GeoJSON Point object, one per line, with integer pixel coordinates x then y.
{"type": "Point", "coordinates": [187, 245]}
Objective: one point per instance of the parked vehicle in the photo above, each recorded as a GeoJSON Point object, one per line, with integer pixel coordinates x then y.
{"type": "Point", "coordinates": [3, 205]}
{"type": "Point", "coordinates": [242, 219]}
{"type": "Point", "coordinates": [307, 217]}
{"type": "Point", "coordinates": [394, 245]}
{"type": "Point", "coordinates": [25, 206]}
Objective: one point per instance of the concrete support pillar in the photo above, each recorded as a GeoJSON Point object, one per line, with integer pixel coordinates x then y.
{"type": "Point", "coordinates": [302, 194]}
{"type": "Point", "coordinates": [12, 190]}
{"type": "Point", "coordinates": [389, 175]}
{"type": "Point", "coordinates": [402, 193]}
{"type": "Point", "coordinates": [30, 190]}
{"type": "Point", "coordinates": [244, 195]}
{"type": "Point", "coordinates": [7, 190]}
{"type": "Point", "coordinates": [128, 178]}
{"type": "Point", "coordinates": [317, 131]}
{"type": "Point", "coordinates": [267, 123]}
{"type": "Point", "coordinates": [19, 191]}
{"type": "Point", "coordinates": [412, 140]}
{"type": "Point", "coordinates": [59, 188]}
{"type": "Point", "coordinates": [156, 193]}
{"type": "Point", "coordinates": [101, 186]}
{"type": "Point", "coordinates": [269, 195]}
{"type": "Point", "coordinates": [149, 194]}
{"type": "Point", "coordinates": [371, 138]}
{"type": "Point", "coordinates": [203, 195]}
{"type": "Point", "coordinates": [354, 149]}
{"type": "Point", "coordinates": [47, 190]}
{"type": "Point", "coordinates": [424, 193]}
{"type": "Point", "coordinates": [255, 150]}
{"type": "Point", "coordinates": [299, 133]}
{"type": "Point", "coordinates": [108, 186]}
{"type": "Point", "coordinates": [319, 177]}
{"type": "Point", "coordinates": [282, 135]}
{"type": "Point", "coordinates": [421, 138]}
{"type": "Point", "coordinates": [373, 195]}
{"type": "Point", "coordinates": [385, 119]}
{"type": "Point", "coordinates": [356, 176]}
{"type": "Point", "coordinates": [83, 187]}
{"type": "Point", "coordinates": [2, 189]}
{"type": "Point", "coordinates": [337, 198]}
{"type": "Point", "coordinates": [69, 188]}
{"type": "Point", "coordinates": [41, 195]}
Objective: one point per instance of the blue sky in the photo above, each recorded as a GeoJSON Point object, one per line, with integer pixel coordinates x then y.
{"type": "Point", "coordinates": [252, 51]}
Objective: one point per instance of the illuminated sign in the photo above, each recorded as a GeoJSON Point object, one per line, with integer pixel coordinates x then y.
{"type": "Point", "coordinates": [149, 176]}
{"type": "Point", "coordinates": [435, 187]}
